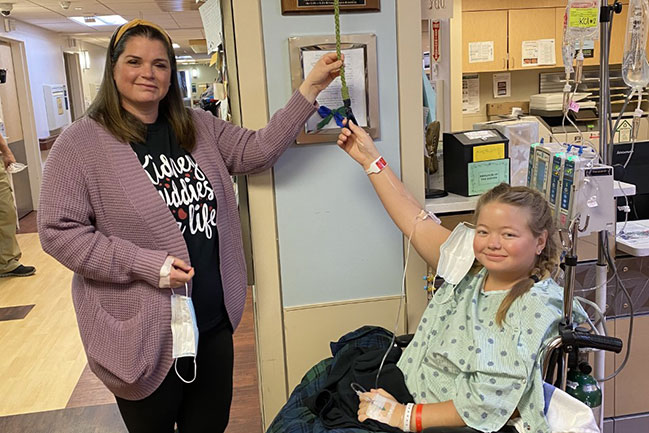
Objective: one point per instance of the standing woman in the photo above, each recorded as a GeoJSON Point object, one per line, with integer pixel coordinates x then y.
{"type": "Point", "coordinates": [137, 200]}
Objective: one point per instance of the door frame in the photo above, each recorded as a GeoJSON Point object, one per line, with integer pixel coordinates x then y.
{"type": "Point", "coordinates": [73, 75]}
{"type": "Point", "coordinates": [27, 117]}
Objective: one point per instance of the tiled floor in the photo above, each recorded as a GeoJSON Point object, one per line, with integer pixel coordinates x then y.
{"type": "Point", "coordinates": [47, 385]}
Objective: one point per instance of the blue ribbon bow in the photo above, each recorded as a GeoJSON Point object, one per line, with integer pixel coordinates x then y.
{"type": "Point", "coordinates": [327, 113]}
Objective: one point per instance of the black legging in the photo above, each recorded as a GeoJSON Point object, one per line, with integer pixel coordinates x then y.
{"type": "Point", "coordinates": [202, 406]}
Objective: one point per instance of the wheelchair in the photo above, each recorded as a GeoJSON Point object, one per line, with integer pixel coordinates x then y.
{"type": "Point", "coordinates": [568, 343]}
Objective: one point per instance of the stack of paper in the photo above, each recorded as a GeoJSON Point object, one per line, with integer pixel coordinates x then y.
{"type": "Point", "coordinates": [554, 101]}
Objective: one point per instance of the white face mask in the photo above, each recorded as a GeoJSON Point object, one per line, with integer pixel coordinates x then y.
{"type": "Point", "coordinates": [456, 255]}
{"type": "Point", "coordinates": [184, 330]}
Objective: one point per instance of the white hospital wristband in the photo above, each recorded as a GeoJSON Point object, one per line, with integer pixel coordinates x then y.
{"type": "Point", "coordinates": [407, 416]}
{"type": "Point", "coordinates": [376, 166]}
{"type": "Point", "coordinates": [165, 273]}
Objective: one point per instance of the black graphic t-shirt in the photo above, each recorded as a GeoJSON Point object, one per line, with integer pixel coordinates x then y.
{"type": "Point", "coordinates": [189, 195]}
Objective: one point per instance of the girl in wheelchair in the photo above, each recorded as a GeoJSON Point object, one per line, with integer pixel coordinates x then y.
{"type": "Point", "coordinates": [475, 359]}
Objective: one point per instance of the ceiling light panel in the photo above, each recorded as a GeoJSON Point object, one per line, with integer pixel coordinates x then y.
{"type": "Point", "coordinates": [100, 20]}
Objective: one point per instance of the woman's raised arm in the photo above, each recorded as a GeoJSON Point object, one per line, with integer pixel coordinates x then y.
{"type": "Point", "coordinates": [402, 207]}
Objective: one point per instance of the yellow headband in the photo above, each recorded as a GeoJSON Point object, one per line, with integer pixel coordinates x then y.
{"type": "Point", "coordinates": [135, 23]}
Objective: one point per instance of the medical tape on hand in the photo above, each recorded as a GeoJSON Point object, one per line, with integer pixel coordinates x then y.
{"type": "Point", "coordinates": [380, 409]}
{"type": "Point", "coordinates": [423, 214]}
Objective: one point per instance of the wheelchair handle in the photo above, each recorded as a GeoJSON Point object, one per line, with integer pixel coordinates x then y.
{"type": "Point", "coordinates": [586, 340]}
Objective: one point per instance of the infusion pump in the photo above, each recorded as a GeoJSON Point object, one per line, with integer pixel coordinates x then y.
{"type": "Point", "coordinates": [574, 184]}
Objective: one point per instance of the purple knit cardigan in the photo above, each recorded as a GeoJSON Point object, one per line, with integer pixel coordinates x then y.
{"type": "Point", "coordinates": [101, 217]}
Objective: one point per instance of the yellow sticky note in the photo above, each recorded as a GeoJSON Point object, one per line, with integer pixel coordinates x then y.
{"type": "Point", "coordinates": [583, 17]}
{"type": "Point", "coordinates": [489, 152]}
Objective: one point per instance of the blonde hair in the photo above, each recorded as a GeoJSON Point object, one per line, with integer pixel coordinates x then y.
{"type": "Point", "coordinates": [107, 109]}
{"type": "Point", "coordinates": [540, 220]}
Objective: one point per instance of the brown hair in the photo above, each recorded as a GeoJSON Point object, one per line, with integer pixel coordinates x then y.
{"type": "Point", "coordinates": [540, 219]}
{"type": "Point", "coordinates": [107, 109]}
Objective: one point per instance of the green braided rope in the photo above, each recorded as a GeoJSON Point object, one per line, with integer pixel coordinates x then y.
{"type": "Point", "coordinates": [344, 90]}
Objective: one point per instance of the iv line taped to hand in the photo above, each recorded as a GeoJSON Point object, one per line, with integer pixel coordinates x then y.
{"type": "Point", "coordinates": [380, 408]}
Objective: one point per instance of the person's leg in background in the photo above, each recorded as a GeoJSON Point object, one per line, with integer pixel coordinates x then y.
{"type": "Point", "coordinates": [9, 250]}
{"type": "Point", "coordinates": [206, 402]}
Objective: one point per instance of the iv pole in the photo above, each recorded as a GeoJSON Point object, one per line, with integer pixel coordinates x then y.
{"type": "Point", "coordinates": [606, 153]}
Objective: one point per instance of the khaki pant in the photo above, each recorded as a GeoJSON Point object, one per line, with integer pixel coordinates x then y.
{"type": "Point", "coordinates": [9, 250]}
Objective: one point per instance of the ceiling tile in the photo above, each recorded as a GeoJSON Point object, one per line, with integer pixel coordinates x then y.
{"type": "Point", "coordinates": [69, 27]}
{"type": "Point", "coordinates": [177, 5]}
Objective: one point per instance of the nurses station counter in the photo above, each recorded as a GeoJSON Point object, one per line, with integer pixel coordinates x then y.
{"type": "Point", "coordinates": [632, 237]}
{"type": "Point", "coordinates": [454, 203]}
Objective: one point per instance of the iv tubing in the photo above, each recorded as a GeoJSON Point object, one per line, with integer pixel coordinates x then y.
{"type": "Point", "coordinates": [418, 219]}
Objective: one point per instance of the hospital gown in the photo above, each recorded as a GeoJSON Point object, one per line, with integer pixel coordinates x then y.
{"type": "Point", "coordinates": [459, 353]}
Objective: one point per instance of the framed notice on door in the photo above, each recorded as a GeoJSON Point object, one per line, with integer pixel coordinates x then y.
{"type": "Point", "coordinates": [361, 73]}
{"type": "Point", "coordinates": [290, 7]}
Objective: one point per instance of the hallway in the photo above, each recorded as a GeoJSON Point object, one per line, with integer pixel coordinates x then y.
{"type": "Point", "coordinates": [44, 370]}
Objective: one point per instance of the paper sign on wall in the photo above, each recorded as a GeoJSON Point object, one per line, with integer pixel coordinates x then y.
{"type": "Point", "coordinates": [470, 94]}
{"type": "Point", "coordinates": [539, 52]}
{"type": "Point", "coordinates": [481, 52]}
{"type": "Point", "coordinates": [502, 85]}
{"type": "Point", "coordinates": [355, 75]}
{"type": "Point", "coordinates": [624, 131]}
{"type": "Point", "coordinates": [212, 24]}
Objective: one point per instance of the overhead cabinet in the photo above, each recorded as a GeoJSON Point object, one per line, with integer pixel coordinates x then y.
{"type": "Point", "coordinates": [529, 27]}
{"type": "Point", "coordinates": [484, 41]}
{"type": "Point", "coordinates": [499, 39]}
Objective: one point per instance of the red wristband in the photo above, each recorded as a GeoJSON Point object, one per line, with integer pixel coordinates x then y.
{"type": "Point", "coordinates": [418, 411]}
{"type": "Point", "coordinates": [376, 166]}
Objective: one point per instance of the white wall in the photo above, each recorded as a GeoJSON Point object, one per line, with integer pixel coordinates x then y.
{"type": "Point", "coordinates": [336, 242]}
{"type": "Point", "coordinates": [44, 51]}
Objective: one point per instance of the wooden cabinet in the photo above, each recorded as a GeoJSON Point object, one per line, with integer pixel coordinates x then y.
{"type": "Point", "coordinates": [507, 24]}
{"type": "Point", "coordinates": [506, 30]}
{"type": "Point", "coordinates": [529, 25]}
{"type": "Point", "coordinates": [633, 381]}
{"type": "Point", "coordinates": [486, 27]}
{"type": "Point", "coordinates": [617, 37]}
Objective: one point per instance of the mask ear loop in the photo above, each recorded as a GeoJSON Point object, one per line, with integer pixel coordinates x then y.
{"type": "Point", "coordinates": [194, 358]}
{"type": "Point", "coordinates": [182, 378]}
{"type": "Point", "coordinates": [448, 297]}
{"type": "Point", "coordinates": [453, 286]}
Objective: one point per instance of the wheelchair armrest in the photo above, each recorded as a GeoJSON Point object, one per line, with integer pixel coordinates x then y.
{"type": "Point", "coordinates": [403, 340]}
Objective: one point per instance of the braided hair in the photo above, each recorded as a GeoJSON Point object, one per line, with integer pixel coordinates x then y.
{"type": "Point", "coordinates": [546, 263]}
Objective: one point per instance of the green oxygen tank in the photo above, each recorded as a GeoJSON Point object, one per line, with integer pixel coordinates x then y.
{"type": "Point", "coordinates": [581, 385]}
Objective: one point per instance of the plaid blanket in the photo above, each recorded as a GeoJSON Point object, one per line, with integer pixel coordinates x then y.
{"type": "Point", "coordinates": [295, 417]}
